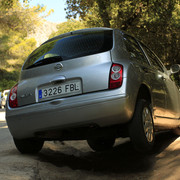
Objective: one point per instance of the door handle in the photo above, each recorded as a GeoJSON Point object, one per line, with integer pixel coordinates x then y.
{"type": "Point", "coordinates": [58, 79]}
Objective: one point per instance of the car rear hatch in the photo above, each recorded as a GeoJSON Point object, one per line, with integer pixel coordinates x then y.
{"type": "Point", "coordinates": [66, 66]}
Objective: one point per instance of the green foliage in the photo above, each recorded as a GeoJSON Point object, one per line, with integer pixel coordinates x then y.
{"type": "Point", "coordinates": [176, 78]}
{"type": "Point", "coordinates": [156, 23]}
{"type": "Point", "coordinates": [8, 79]}
{"type": "Point", "coordinates": [70, 25]}
{"type": "Point", "coordinates": [19, 18]}
{"type": "Point", "coordinates": [16, 22]}
{"type": "Point", "coordinates": [3, 46]}
{"type": "Point", "coordinates": [22, 48]}
{"type": "Point", "coordinates": [6, 84]}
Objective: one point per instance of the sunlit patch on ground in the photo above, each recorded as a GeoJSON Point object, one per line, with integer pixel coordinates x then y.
{"type": "Point", "coordinates": [174, 145]}
{"type": "Point", "coordinates": [2, 116]}
{"type": "Point", "coordinates": [3, 127]}
{"type": "Point", "coordinates": [3, 124]}
{"type": "Point", "coordinates": [2, 121]}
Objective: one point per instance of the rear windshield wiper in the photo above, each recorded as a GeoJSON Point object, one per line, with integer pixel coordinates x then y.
{"type": "Point", "coordinates": [45, 61]}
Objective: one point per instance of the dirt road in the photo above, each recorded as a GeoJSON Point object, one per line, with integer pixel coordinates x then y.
{"type": "Point", "coordinates": [76, 161]}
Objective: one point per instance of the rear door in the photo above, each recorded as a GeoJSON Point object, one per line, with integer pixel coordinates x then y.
{"type": "Point", "coordinates": [158, 80]}
{"type": "Point", "coordinates": [150, 74]}
{"type": "Point", "coordinates": [67, 66]}
{"type": "Point", "coordinates": [172, 96]}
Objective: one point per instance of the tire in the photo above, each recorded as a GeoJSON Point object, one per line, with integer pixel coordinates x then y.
{"type": "Point", "coordinates": [101, 144]}
{"type": "Point", "coordinates": [28, 146]}
{"type": "Point", "coordinates": [141, 128]}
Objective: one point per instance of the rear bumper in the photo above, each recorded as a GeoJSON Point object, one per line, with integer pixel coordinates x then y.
{"type": "Point", "coordinates": [101, 108]}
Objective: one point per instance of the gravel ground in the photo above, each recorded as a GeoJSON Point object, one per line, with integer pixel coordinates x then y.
{"type": "Point", "coordinates": [74, 160]}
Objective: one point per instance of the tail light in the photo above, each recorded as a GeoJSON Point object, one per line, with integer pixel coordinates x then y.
{"type": "Point", "coordinates": [116, 76]}
{"type": "Point", "coordinates": [13, 103]}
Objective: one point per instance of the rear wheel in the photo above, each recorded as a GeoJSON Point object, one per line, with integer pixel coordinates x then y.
{"type": "Point", "coordinates": [101, 144]}
{"type": "Point", "coordinates": [29, 146]}
{"type": "Point", "coordinates": [141, 128]}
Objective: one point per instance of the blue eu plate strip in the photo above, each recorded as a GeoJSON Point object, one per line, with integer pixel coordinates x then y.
{"type": "Point", "coordinates": [40, 94]}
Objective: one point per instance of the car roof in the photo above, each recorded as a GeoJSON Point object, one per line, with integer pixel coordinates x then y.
{"type": "Point", "coordinates": [87, 30]}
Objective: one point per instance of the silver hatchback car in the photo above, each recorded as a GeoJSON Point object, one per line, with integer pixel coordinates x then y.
{"type": "Point", "coordinates": [95, 84]}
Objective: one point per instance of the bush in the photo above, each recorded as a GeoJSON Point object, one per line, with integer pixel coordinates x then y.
{"type": "Point", "coordinates": [8, 79]}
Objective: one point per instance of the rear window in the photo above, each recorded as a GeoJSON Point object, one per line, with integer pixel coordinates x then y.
{"type": "Point", "coordinates": [73, 46]}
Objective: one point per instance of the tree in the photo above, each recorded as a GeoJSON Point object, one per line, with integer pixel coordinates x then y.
{"type": "Point", "coordinates": [148, 20]}
{"type": "Point", "coordinates": [20, 18]}
{"type": "Point", "coordinates": [70, 25]}
{"type": "Point", "coordinates": [16, 22]}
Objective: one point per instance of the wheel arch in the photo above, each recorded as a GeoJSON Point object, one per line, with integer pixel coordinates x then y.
{"type": "Point", "coordinates": [140, 141]}
{"type": "Point", "coordinates": [144, 93]}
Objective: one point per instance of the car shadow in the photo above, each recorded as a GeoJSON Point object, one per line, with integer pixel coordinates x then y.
{"type": "Point", "coordinates": [121, 159]}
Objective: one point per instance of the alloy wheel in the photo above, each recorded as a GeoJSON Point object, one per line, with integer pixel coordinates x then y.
{"type": "Point", "coordinates": [148, 124]}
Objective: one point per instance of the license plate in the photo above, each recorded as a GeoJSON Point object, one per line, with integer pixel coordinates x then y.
{"type": "Point", "coordinates": [61, 90]}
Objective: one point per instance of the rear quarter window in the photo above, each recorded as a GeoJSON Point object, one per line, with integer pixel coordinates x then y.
{"type": "Point", "coordinates": [134, 49]}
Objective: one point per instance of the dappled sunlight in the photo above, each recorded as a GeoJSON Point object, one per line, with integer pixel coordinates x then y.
{"type": "Point", "coordinates": [3, 124]}
{"type": "Point", "coordinates": [9, 69]}
{"type": "Point", "coordinates": [15, 62]}
{"type": "Point", "coordinates": [121, 161]}
{"type": "Point", "coordinates": [3, 127]}
{"type": "Point", "coordinates": [170, 150]}
{"type": "Point", "coordinates": [146, 90]}
{"type": "Point", "coordinates": [2, 117]}
{"type": "Point", "coordinates": [71, 159]}
{"type": "Point", "coordinates": [172, 146]}
{"type": "Point", "coordinates": [52, 145]}
{"type": "Point", "coordinates": [175, 145]}
{"type": "Point", "coordinates": [12, 61]}
{"type": "Point", "coordinates": [167, 161]}
{"type": "Point", "coordinates": [3, 121]}
{"type": "Point", "coordinates": [14, 177]}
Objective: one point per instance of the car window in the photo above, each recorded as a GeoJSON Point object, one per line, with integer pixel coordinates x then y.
{"type": "Point", "coordinates": [153, 58]}
{"type": "Point", "coordinates": [134, 49]}
{"type": "Point", "coordinates": [69, 47]}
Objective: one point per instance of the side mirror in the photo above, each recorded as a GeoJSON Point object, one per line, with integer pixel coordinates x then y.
{"type": "Point", "coordinates": [175, 68]}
